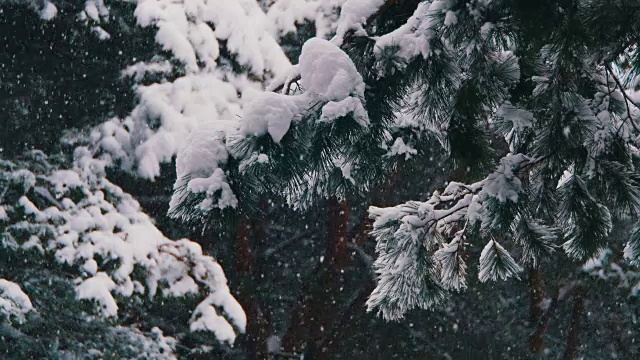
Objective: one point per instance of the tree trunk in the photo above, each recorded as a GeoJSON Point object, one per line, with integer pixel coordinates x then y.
{"type": "Point", "coordinates": [254, 341]}
{"type": "Point", "coordinates": [244, 253]}
{"type": "Point", "coordinates": [337, 253]}
{"type": "Point", "coordinates": [573, 338]}
{"type": "Point", "coordinates": [316, 310]}
{"type": "Point", "coordinates": [537, 317]}
{"type": "Point", "coordinates": [348, 320]}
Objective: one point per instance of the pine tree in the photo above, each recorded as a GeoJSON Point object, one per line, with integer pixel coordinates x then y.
{"type": "Point", "coordinates": [530, 101]}
{"type": "Point", "coordinates": [68, 266]}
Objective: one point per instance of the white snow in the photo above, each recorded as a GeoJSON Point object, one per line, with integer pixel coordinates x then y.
{"type": "Point", "coordinates": [33, 242]}
{"type": "Point", "coordinates": [486, 28]}
{"type": "Point", "coordinates": [263, 158]}
{"type": "Point", "coordinates": [284, 15]}
{"type": "Point", "coordinates": [98, 288]}
{"type": "Point", "coordinates": [327, 72]}
{"type": "Point", "coordinates": [105, 226]}
{"type": "Point", "coordinates": [13, 301]}
{"type": "Point", "coordinates": [353, 16]}
{"type": "Point", "coordinates": [96, 10]}
{"type": "Point", "coordinates": [496, 263]}
{"type": "Point", "coordinates": [270, 113]}
{"type": "Point", "coordinates": [211, 185]}
{"type": "Point", "coordinates": [521, 119]}
{"type": "Point", "coordinates": [414, 36]}
{"type": "Point", "coordinates": [208, 95]}
{"type": "Point", "coordinates": [64, 180]}
{"type": "Point", "coordinates": [101, 33]}
{"type": "Point", "coordinates": [400, 148]}
{"type": "Point", "coordinates": [181, 30]}
{"type": "Point", "coordinates": [206, 318]}
{"type": "Point", "coordinates": [49, 11]}
{"type": "Point", "coordinates": [450, 18]}
{"type": "Point", "coordinates": [503, 184]}
{"type": "Point", "coordinates": [24, 177]}
{"type": "Point", "coordinates": [350, 105]}
{"type": "Point", "coordinates": [140, 69]}
{"type": "Point", "coordinates": [28, 206]}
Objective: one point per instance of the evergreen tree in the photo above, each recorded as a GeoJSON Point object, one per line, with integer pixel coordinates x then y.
{"type": "Point", "coordinates": [189, 79]}
{"type": "Point", "coordinates": [529, 100]}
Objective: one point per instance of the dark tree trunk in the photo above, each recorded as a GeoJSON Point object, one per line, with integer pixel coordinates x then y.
{"type": "Point", "coordinates": [573, 338]}
{"type": "Point", "coordinates": [337, 253]}
{"type": "Point", "coordinates": [316, 310]}
{"type": "Point", "coordinates": [250, 236]}
{"type": "Point", "coordinates": [347, 321]}
{"type": "Point", "coordinates": [537, 317]}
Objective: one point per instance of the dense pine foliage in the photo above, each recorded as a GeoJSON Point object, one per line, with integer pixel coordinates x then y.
{"type": "Point", "coordinates": [465, 170]}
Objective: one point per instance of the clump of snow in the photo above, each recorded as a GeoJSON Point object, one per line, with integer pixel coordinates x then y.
{"type": "Point", "coordinates": [96, 10]}
{"type": "Point", "coordinates": [350, 105]}
{"type": "Point", "coordinates": [284, 15]}
{"type": "Point", "coordinates": [486, 28]}
{"type": "Point", "coordinates": [450, 18]}
{"type": "Point", "coordinates": [327, 72]}
{"type": "Point", "coordinates": [191, 104]}
{"type": "Point", "coordinates": [138, 70]}
{"type": "Point", "coordinates": [28, 207]}
{"type": "Point", "coordinates": [270, 113]}
{"type": "Point", "coordinates": [206, 318]}
{"type": "Point", "coordinates": [152, 345]}
{"type": "Point", "coordinates": [353, 16]}
{"type": "Point", "coordinates": [183, 30]}
{"type": "Point", "coordinates": [101, 33]}
{"type": "Point", "coordinates": [14, 303]}
{"type": "Point", "coordinates": [98, 288]}
{"type": "Point", "coordinates": [196, 167]}
{"type": "Point", "coordinates": [215, 183]}
{"type": "Point", "coordinates": [413, 38]}
{"type": "Point", "coordinates": [521, 119]}
{"type": "Point", "coordinates": [597, 262]}
{"type": "Point", "coordinates": [263, 158]}
{"type": "Point", "coordinates": [400, 148]}
{"type": "Point", "coordinates": [503, 184]}
{"type": "Point", "coordinates": [23, 178]}
{"type": "Point", "coordinates": [207, 94]}
{"type": "Point", "coordinates": [63, 180]}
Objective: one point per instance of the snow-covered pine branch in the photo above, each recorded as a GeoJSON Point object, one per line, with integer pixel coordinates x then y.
{"type": "Point", "coordinates": [573, 144]}
{"type": "Point", "coordinates": [299, 142]}
{"type": "Point", "coordinates": [94, 237]}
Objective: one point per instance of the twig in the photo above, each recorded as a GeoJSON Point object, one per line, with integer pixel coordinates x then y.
{"type": "Point", "coordinates": [627, 99]}
{"type": "Point", "coordinates": [287, 85]}
{"type": "Point", "coordinates": [284, 244]}
{"type": "Point", "coordinates": [366, 258]}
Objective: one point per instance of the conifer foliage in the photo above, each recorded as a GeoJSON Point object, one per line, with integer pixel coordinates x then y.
{"type": "Point", "coordinates": [532, 101]}
{"type": "Point", "coordinates": [82, 249]}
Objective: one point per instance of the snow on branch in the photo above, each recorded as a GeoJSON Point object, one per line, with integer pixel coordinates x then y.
{"type": "Point", "coordinates": [327, 75]}
{"type": "Point", "coordinates": [113, 250]}
{"type": "Point", "coordinates": [415, 233]}
{"type": "Point", "coordinates": [14, 303]}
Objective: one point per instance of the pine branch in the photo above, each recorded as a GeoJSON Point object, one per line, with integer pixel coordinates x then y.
{"type": "Point", "coordinates": [627, 100]}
